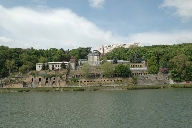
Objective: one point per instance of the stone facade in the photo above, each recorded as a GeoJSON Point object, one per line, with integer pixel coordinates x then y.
{"type": "Point", "coordinates": [153, 79]}
{"type": "Point", "coordinates": [72, 64]}
{"type": "Point", "coordinates": [54, 65]}
{"type": "Point", "coordinates": [101, 81]}
{"type": "Point", "coordinates": [93, 58]}
{"type": "Point", "coordinates": [39, 66]}
{"type": "Point", "coordinates": [44, 82]}
{"type": "Point", "coordinates": [51, 65]}
{"type": "Point", "coordinates": [138, 69]}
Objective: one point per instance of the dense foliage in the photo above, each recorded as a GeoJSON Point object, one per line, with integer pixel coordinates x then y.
{"type": "Point", "coordinates": [107, 69]}
{"type": "Point", "coordinates": [123, 70]}
{"type": "Point", "coordinates": [173, 59]}
{"type": "Point", "coordinates": [23, 60]}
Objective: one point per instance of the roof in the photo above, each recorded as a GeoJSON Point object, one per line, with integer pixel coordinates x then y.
{"type": "Point", "coordinates": [82, 59]}
{"type": "Point", "coordinates": [93, 54]}
{"type": "Point", "coordinates": [125, 61]}
{"type": "Point", "coordinates": [134, 69]}
{"type": "Point", "coordinates": [55, 62]}
{"type": "Point", "coordinates": [39, 63]}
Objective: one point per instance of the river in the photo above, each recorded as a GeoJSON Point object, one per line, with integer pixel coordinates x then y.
{"type": "Point", "coordinates": [163, 108]}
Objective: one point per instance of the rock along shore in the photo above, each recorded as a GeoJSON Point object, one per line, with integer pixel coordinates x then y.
{"type": "Point", "coordinates": [94, 88]}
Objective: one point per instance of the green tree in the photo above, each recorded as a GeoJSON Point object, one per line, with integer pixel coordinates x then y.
{"type": "Point", "coordinates": [153, 67]}
{"type": "Point", "coordinates": [10, 64]}
{"type": "Point", "coordinates": [179, 66]}
{"type": "Point", "coordinates": [43, 60]}
{"type": "Point", "coordinates": [123, 70]}
{"type": "Point", "coordinates": [115, 60]}
{"type": "Point", "coordinates": [107, 69]}
{"type": "Point", "coordinates": [43, 66]}
{"type": "Point", "coordinates": [63, 66]}
{"type": "Point", "coordinates": [86, 70]}
{"type": "Point", "coordinates": [24, 69]}
{"type": "Point", "coordinates": [175, 75]}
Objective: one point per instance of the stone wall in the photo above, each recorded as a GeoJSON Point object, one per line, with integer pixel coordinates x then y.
{"type": "Point", "coordinates": [44, 82]}
{"type": "Point", "coordinates": [99, 81]}
{"type": "Point", "coordinates": [153, 79]}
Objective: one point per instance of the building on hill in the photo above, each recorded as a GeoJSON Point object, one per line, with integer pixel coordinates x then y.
{"type": "Point", "coordinates": [82, 61]}
{"type": "Point", "coordinates": [119, 61]}
{"type": "Point", "coordinates": [103, 49]}
{"type": "Point", "coordinates": [39, 66]}
{"type": "Point", "coordinates": [94, 58]}
{"type": "Point", "coordinates": [138, 69]}
{"type": "Point", "coordinates": [51, 65]}
{"type": "Point", "coordinates": [123, 62]}
{"type": "Point", "coordinates": [72, 63]}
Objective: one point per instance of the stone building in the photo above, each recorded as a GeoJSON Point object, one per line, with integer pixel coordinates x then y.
{"type": "Point", "coordinates": [41, 81]}
{"type": "Point", "coordinates": [138, 69]}
{"type": "Point", "coordinates": [72, 64]}
{"type": "Point", "coordinates": [51, 65]}
{"type": "Point", "coordinates": [54, 65]}
{"type": "Point", "coordinates": [94, 58]}
{"type": "Point", "coordinates": [39, 66]}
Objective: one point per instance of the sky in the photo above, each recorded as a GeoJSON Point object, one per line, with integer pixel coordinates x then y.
{"type": "Point", "coordinates": [69, 24]}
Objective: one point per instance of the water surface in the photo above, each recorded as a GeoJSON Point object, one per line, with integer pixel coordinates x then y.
{"type": "Point", "coordinates": [101, 109]}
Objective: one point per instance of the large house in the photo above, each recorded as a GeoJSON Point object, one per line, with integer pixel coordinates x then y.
{"type": "Point", "coordinates": [51, 65]}
{"type": "Point", "coordinates": [94, 58]}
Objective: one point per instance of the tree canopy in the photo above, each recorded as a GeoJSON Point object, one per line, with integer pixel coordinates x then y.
{"type": "Point", "coordinates": [175, 59]}
{"type": "Point", "coordinates": [24, 60]}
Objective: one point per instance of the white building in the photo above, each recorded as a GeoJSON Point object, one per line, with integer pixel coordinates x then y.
{"type": "Point", "coordinates": [103, 49]}
{"type": "Point", "coordinates": [54, 65]}
{"type": "Point", "coordinates": [94, 58]}
{"type": "Point", "coordinates": [120, 61]}
{"type": "Point", "coordinates": [51, 65]}
{"type": "Point", "coordinates": [39, 66]}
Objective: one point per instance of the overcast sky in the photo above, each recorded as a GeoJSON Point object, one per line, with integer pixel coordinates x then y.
{"type": "Point", "coordinates": [69, 24]}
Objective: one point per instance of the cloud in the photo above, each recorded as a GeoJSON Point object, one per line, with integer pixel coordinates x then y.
{"type": "Point", "coordinates": [62, 28]}
{"type": "Point", "coordinates": [96, 3]}
{"type": "Point", "coordinates": [183, 7]}
{"type": "Point", "coordinates": [5, 40]}
{"type": "Point", "coordinates": [59, 28]}
{"type": "Point", "coordinates": [160, 38]}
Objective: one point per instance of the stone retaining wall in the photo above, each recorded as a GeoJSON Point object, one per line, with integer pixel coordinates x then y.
{"type": "Point", "coordinates": [153, 79]}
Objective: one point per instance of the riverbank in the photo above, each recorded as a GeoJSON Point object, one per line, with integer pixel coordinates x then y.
{"type": "Point", "coordinates": [94, 88]}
